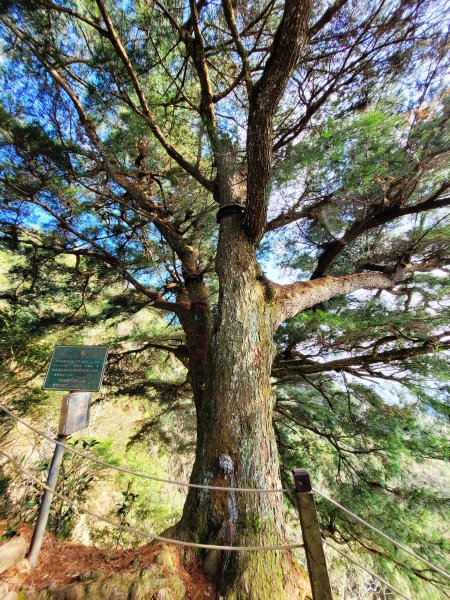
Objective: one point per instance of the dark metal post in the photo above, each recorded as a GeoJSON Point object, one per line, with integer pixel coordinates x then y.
{"type": "Point", "coordinates": [44, 509]}
{"type": "Point", "coordinates": [74, 416]}
{"type": "Point", "coordinates": [315, 557]}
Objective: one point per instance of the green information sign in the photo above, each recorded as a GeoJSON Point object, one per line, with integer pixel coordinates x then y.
{"type": "Point", "coordinates": [76, 368]}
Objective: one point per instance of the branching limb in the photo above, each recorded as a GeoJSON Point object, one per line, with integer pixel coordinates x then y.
{"type": "Point", "coordinates": [298, 366]}
{"type": "Point", "coordinates": [179, 351]}
{"type": "Point", "coordinates": [231, 22]}
{"type": "Point", "coordinates": [196, 50]}
{"type": "Point", "coordinates": [380, 215]}
{"type": "Point", "coordinates": [289, 40]}
{"type": "Point", "coordinates": [295, 297]}
{"type": "Point", "coordinates": [326, 17]}
{"type": "Point", "coordinates": [72, 13]}
{"type": "Point", "coordinates": [150, 118]}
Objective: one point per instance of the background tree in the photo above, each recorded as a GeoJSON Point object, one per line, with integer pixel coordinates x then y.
{"type": "Point", "coordinates": [125, 129]}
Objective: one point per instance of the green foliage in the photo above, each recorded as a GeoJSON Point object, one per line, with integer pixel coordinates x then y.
{"type": "Point", "coordinates": [10, 531]}
{"type": "Point", "coordinates": [361, 152]}
{"type": "Point", "coordinates": [100, 222]}
{"type": "Point", "coordinates": [372, 433]}
{"type": "Point", "coordinates": [76, 479]}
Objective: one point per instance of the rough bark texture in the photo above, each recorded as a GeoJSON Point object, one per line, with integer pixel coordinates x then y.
{"type": "Point", "coordinates": [266, 94]}
{"type": "Point", "coordinates": [236, 444]}
{"type": "Point", "coordinates": [299, 296]}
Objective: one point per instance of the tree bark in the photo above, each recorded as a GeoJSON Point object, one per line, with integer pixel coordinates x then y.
{"type": "Point", "coordinates": [236, 444]}
{"type": "Point", "coordinates": [295, 297]}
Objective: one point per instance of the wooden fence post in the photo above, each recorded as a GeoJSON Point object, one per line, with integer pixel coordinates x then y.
{"type": "Point", "coordinates": [315, 557]}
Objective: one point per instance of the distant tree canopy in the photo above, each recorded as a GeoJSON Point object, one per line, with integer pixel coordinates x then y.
{"type": "Point", "coordinates": [320, 131]}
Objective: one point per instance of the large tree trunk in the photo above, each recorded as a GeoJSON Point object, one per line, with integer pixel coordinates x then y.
{"type": "Point", "coordinates": [236, 443]}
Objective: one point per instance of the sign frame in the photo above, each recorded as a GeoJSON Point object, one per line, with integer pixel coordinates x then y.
{"type": "Point", "coordinates": [52, 383]}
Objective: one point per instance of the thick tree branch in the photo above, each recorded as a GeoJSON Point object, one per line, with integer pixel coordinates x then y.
{"type": "Point", "coordinates": [179, 351]}
{"type": "Point", "coordinates": [286, 218]}
{"type": "Point", "coordinates": [72, 13]}
{"type": "Point", "coordinates": [289, 40]}
{"type": "Point", "coordinates": [296, 297]}
{"type": "Point", "coordinates": [298, 366]}
{"type": "Point", "coordinates": [231, 22]}
{"type": "Point", "coordinates": [380, 215]}
{"type": "Point", "coordinates": [374, 42]}
{"type": "Point", "coordinates": [326, 17]}
{"type": "Point", "coordinates": [196, 50]}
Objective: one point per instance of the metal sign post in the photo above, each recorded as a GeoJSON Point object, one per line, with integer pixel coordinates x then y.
{"type": "Point", "coordinates": [44, 509]}
{"type": "Point", "coordinates": [79, 368]}
{"type": "Point", "coordinates": [75, 409]}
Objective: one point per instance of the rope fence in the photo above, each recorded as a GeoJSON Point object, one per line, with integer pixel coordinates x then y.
{"type": "Point", "coordinates": [398, 545]}
{"type": "Point", "coordinates": [227, 489]}
{"type": "Point", "coordinates": [151, 536]}
{"type": "Point", "coordinates": [146, 535]}
{"type": "Point", "coordinates": [371, 573]}
{"type": "Point", "coordinates": [139, 473]}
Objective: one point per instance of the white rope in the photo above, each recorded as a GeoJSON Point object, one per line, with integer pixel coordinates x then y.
{"type": "Point", "coordinates": [138, 473]}
{"type": "Point", "coordinates": [152, 536]}
{"type": "Point", "coordinates": [145, 534]}
{"type": "Point", "coordinates": [374, 575]}
{"type": "Point", "coordinates": [384, 535]}
{"type": "Point", "coordinates": [226, 489]}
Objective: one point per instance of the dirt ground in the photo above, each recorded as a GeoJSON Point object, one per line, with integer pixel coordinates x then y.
{"type": "Point", "coordinates": [62, 564]}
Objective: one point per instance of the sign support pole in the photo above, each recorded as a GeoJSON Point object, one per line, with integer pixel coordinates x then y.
{"type": "Point", "coordinates": [315, 557]}
{"type": "Point", "coordinates": [75, 368]}
{"type": "Point", "coordinates": [44, 509]}
{"type": "Point", "coordinates": [66, 427]}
